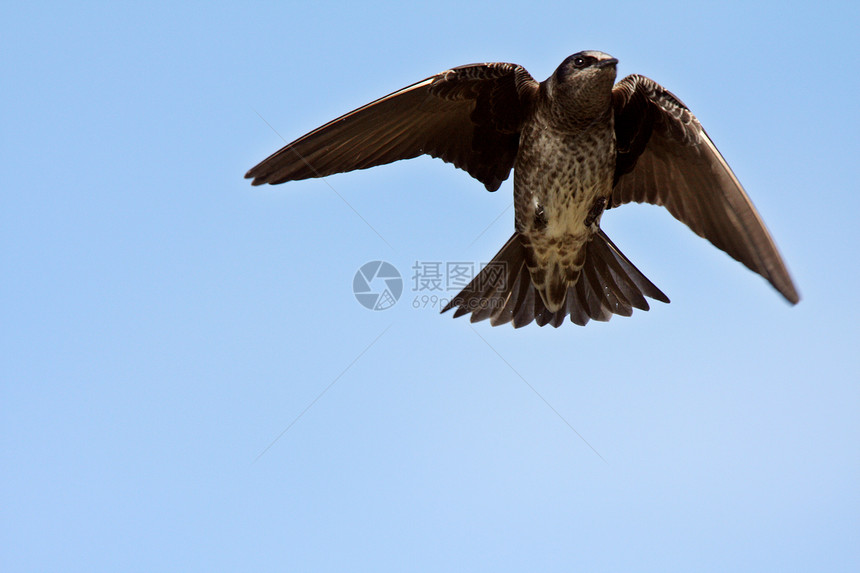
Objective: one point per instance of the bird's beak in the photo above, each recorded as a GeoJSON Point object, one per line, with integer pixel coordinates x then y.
{"type": "Point", "coordinates": [605, 63]}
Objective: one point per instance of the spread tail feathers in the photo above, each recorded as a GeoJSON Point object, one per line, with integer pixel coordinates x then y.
{"type": "Point", "coordinates": [608, 284]}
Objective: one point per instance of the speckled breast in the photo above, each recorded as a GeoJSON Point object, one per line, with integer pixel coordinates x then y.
{"type": "Point", "coordinates": [562, 182]}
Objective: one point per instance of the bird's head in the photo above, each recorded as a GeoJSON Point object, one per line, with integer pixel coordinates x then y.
{"type": "Point", "coordinates": [583, 82]}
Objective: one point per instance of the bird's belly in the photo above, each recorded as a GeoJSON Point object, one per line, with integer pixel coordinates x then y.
{"type": "Point", "coordinates": [560, 181]}
{"type": "Point", "coordinates": [565, 200]}
{"type": "Point", "coordinates": [571, 208]}
{"type": "Point", "coordinates": [560, 193]}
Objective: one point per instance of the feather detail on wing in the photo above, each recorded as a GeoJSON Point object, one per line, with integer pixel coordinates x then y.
{"type": "Point", "coordinates": [469, 116]}
{"type": "Point", "coordinates": [666, 158]}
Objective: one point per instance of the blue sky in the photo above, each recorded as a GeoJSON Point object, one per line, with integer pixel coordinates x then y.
{"type": "Point", "coordinates": [164, 322]}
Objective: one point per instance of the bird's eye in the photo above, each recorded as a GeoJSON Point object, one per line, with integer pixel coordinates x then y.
{"type": "Point", "coordinates": [579, 62]}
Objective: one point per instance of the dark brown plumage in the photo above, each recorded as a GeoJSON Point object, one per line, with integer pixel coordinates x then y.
{"type": "Point", "coordinates": [578, 144]}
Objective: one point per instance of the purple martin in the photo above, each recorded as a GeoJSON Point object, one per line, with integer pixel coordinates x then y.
{"type": "Point", "coordinates": [578, 144]}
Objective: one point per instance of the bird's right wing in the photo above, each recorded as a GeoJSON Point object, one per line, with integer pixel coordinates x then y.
{"type": "Point", "coordinates": [666, 158]}
{"type": "Point", "coordinates": [469, 116]}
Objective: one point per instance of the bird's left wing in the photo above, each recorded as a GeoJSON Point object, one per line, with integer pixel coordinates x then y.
{"type": "Point", "coordinates": [469, 116]}
{"type": "Point", "coordinates": [666, 158]}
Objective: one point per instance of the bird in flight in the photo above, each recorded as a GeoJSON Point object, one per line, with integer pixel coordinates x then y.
{"type": "Point", "coordinates": [578, 144]}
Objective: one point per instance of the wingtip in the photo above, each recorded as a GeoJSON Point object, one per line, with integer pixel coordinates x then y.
{"type": "Point", "coordinates": [256, 180]}
{"type": "Point", "coordinates": [783, 284]}
{"type": "Point", "coordinates": [792, 297]}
